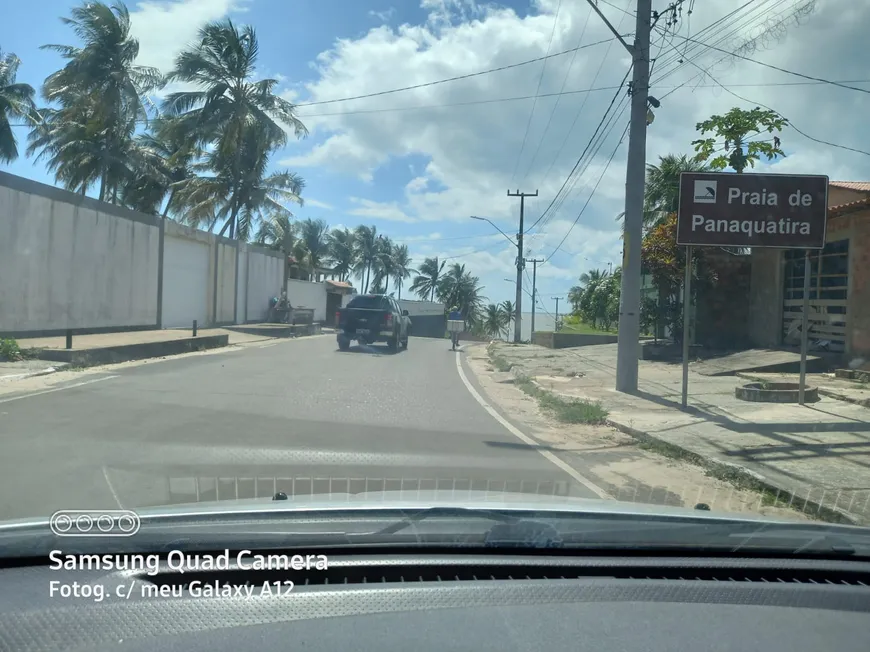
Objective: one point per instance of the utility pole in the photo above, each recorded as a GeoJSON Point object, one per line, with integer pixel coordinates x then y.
{"type": "Point", "coordinates": [534, 263]}
{"type": "Point", "coordinates": [556, 299]}
{"type": "Point", "coordinates": [635, 176]}
{"type": "Point", "coordinates": [521, 263]}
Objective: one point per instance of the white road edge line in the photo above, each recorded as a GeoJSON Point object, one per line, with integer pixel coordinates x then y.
{"type": "Point", "coordinates": [56, 389]}
{"type": "Point", "coordinates": [516, 432]}
{"type": "Point", "coordinates": [112, 488]}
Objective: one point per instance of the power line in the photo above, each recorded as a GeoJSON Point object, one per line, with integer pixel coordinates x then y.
{"type": "Point", "coordinates": [773, 67]}
{"type": "Point", "coordinates": [748, 101]}
{"type": "Point", "coordinates": [537, 90]}
{"type": "Point", "coordinates": [559, 99]}
{"type": "Point", "coordinates": [574, 123]}
{"type": "Point", "coordinates": [586, 149]}
{"type": "Point", "coordinates": [579, 215]}
{"type": "Point", "coordinates": [458, 77]}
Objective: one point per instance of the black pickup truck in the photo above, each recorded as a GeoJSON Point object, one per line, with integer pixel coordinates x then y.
{"type": "Point", "coordinates": [370, 318]}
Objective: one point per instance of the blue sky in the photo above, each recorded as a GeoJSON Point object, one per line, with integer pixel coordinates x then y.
{"type": "Point", "coordinates": [417, 164]}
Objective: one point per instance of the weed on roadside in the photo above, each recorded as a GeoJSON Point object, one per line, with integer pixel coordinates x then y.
{"type": "Point", "coordinates": [565, 410]}
{"type": "Point", "coordinates": [9, 351]}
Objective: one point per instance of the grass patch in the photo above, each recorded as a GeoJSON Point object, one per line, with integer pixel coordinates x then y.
{"type": "Point", "coordinates": [575, 325]}
{"type": "Point", "coordinates": [566, 410]}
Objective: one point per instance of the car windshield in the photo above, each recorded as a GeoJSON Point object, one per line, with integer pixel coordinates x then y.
{"type": "Point", "coordinates": [435, 271]}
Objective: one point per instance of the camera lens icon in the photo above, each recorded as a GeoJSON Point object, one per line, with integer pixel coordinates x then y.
{"type": "Point", "coordinates": [95, 523]}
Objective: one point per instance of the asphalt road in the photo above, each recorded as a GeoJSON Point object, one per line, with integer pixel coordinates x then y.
{"type": "Point", "coordinates": [296, 416]}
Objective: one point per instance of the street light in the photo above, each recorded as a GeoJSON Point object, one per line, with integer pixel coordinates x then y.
{"type": "Point", "coordinates": [483, 219]}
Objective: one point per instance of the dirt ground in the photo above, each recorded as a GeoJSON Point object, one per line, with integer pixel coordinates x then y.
{"type": "Point", "coordinates": [614, 461]}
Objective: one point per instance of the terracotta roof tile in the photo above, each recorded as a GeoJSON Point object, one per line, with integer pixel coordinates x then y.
{"type": "Point", "coordinates": [852, 185]}
{"type": "Point", "coordinates": [850, 207]}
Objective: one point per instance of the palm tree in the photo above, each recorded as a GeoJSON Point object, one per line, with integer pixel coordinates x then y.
{"type": "Point", "coordinates": [312, 236]}
{"type": "Point", "coordinates": [459, 288]}
{"type": "Point", "coordinates": [81, 151]}
{"type": "Point", "coordinates": [166, 160]}
{"type": "Point", "coordinates": [246, 197]}
{"type": "Point", "coordinates": [661, 195]}
{"type": "Point", "coordinates": [426, 281]}
{"type": "Point", "coordinates": [510, 311]}
{"type": "Point", "coordinates": [494, 320]}
{"type": "Point", "coordinates": [402, 269]}
{"type": "Point", "coordinates": [229, 103]}
{"type": "Point", "coordinates": [384, 265]}
{"type": "Point", "coordinates": [280, 234]}
{"type": "Point", "coordinates": [101, 90]}
{"type": "Point", "coordinates": [366, 250]}
{"type": "Point", "coordinates": [341, 252]}
{"type": "Point", "coordinates": [16, 101]}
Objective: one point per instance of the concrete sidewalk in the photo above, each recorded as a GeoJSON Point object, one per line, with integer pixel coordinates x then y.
{"type": "Point", "coordinates": [815, 457]}
{"type": "Point", "coordinates": [50, 353]}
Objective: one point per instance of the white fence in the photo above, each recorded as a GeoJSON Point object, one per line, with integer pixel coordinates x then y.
{"type": "Point", "coordinates": [71, 262]}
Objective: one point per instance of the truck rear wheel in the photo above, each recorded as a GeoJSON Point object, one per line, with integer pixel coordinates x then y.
{"type": "Point", "coordinates": [393, 343]}
{"type": "Point", "coordinates": [343, 343]}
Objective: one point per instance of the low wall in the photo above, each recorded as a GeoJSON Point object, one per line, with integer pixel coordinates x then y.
{"type": "Point", "coordinates": [428, 325]}
{"type": "Point", "coordinates": [553, 340]}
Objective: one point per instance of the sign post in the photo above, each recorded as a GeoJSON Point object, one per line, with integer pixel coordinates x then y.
{"type": "Point", "coordinates": [780, 211]}
{"type": "Point", "coordinates": [687, 302]}
{"type": "Point", "coordinates": [805, 321]}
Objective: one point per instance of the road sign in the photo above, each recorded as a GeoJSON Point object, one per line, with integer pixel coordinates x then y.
{"type": "Point", "coordinates": [723, 209]}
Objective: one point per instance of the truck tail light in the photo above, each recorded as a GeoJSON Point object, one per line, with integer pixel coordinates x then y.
{"type": "Point", "coordinates": [389, 322]}
{"type": "Point", "coordinates": [337, 316]}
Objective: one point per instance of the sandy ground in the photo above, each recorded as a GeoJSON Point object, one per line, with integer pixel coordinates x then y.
{"type": "Point", "coordinates": [613, 460]}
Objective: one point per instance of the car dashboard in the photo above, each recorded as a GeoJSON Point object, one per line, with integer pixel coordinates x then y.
{"type": "Point", "coordinates": [449, 601]}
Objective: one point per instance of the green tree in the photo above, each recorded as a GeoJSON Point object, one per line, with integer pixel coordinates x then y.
{"type": "Point", "coordinates": [16, 101]}
{"type": "Point", "coordinates": [510, 311]}
{"type": "Point", "coordinates": [736, 128]}
{"type": "Point", "coordinates": [245, 198]}
{"type": "Point", "coordinates": [459, 288]}
{"type": "Point", "coordinates": [366, 251]}
{"type": "Point", "coordinates": [425, 282]}
{"type": "Point", "coordinates": [341, 252]}
{"type": "Point", "coordinates": [280, 234]}
{"type": "Point", "coordinates": [99, 92]}
{"type": "Point", "coordinates": [402, 269]}
{"type": "Point", "coordinates": [494, 320]}
{"type": "Point", "coordinates": [666, 262]}
{"type": "Point", "coordinates": [166, 160]}
{"type": "Point", "coordinates": [315, 247]}
{"type": "Point", "coordinates": [383, 264]}
{"type": "Point", "coordinates": [228, 104]}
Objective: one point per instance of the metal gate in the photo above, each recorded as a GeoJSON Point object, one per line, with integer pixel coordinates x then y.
{"type": "Point", "coordinates": [829, 288]}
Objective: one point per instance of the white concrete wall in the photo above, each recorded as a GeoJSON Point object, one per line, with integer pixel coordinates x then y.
{"type": "Point", "coordinates": [421, 308]}
{"type": "Point", "coordinates": [306, 294]}
{"type": "Point", "coordinates": [226, 282]}
{"type": "Point", "coordinates": [68, 261]}
{"type": "Point", "coordinates": [185, 276]}
{"type": "Point", "coordinates": [265, 275]}
{"type": "Point", "coordinates": [242, 286]}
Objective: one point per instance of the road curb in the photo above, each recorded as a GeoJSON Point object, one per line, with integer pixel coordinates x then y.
{"type": "Point", "coordinates": [33, 374]}
{"type": "Point", "coordinates": [726, 471]}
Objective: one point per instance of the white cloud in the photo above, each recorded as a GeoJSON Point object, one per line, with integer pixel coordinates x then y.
{"type": "Point", "coordinates": [165, 27]}
{"type": "Point", "coordinates": [473, 149]}
{"type": "Point", "coordinates": [369, 209]}
{"type": "Point", "coordinates": [313, 203]}
{"type": "Point", "coordinates": [383, 16]}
